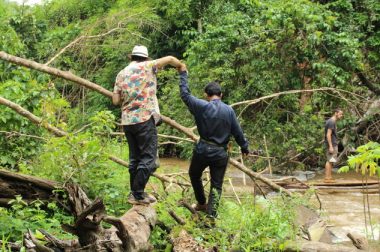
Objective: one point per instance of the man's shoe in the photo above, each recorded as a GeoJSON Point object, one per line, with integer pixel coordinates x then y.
{"type": "Point", "coordinates": [132, 200]}
{"type": "Point", "coordinates": [150, 197]}
{"type": "Point", "coordinates": [199, 207]}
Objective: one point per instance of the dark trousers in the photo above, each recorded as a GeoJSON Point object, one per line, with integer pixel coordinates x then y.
{"type": "Point", "coordinates": [142, 142]}
{"type": "Point", "coordinates": [218, 167]}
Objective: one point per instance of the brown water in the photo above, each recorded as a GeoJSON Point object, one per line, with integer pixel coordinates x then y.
{"type": "Point", "coordinates": [343, 211]}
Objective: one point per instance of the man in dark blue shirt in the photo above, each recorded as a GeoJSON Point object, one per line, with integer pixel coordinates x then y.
{"type": "Point", "coordinates": [216, 122]}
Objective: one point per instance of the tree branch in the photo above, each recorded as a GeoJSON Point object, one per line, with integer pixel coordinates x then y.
{"type": "Point", "coordinates": [55, 72]}
{"type": "Point", "coordinates": [34, 119]}
{"type": "Point", "coordinates": [187, 131]}
{"type": "Point", "coordinates": [251, 102]}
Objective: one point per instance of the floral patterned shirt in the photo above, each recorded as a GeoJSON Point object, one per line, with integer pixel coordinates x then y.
{"type": "Point", "coordinates": [137, 84]}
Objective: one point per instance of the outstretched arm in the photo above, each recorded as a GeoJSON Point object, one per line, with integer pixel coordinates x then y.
{"type": "Point", "coordinates": [168, 60]}
{"type": "Point", "coordinates": [191, 102]}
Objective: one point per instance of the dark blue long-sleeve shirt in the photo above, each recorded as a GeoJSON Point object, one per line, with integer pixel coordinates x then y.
{"type": "Point", "coordinates": [216, 121]}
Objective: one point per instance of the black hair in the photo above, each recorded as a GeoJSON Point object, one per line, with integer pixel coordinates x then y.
{"type": "Point", "coordinates": [138, 58]}
{"type": "Point", "coordinates": [213, 88]}
{"type": "Point", "coordinates": [337, 110]}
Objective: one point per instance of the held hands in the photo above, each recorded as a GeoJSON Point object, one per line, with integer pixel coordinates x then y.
{"type": "Point", "coordinates": [182, 68]}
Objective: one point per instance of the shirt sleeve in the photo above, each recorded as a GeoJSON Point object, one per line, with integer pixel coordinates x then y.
{"type": "Point", "coordinates": [237, 132]}
{"type": "Point", "coordinates": [118, 83]}
{"type": "Point", "coordinates": [152, 64]}
{"type": "Point", "coordinates": [193, 103]}
{"type": "Point", "coordinates": [330, 125]}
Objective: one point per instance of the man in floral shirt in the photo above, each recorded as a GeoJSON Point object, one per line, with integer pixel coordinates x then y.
{"type": "Point", "coordinates": [135, 88]}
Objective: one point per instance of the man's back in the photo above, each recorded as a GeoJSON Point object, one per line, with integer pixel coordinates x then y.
{"type": "Point", "coordinates": [213, 120]}
{"type": "Point", "coordinates": [138, 85]}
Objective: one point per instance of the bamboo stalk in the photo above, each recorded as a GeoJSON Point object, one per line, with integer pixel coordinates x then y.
{"type": "Point", "coordinates": [233, 189]}
{"type": "Point", "coordinates": [266, 150]}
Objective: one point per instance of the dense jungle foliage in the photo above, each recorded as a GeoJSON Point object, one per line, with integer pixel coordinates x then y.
{"type": "Point", "coordinates": [253, 47]}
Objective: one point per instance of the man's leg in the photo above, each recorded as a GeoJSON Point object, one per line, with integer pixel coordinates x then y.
{"type": "Point", "coordinates": [146, 137]}
{"type": "Point", "coordinates": [328, 171]}
{"type": "Point", "coordinates": [331, 159]}
{"type": "Point", "coordinates": [133, 154]}
{"type": "Point", "coordinates": [197, 166]}
{"type": "Point", "coordinates": [217, 171]}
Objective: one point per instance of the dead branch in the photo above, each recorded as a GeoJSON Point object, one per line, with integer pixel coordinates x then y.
{"type": "Point", "coordinates": [10, 134]}
{"type": "Point", "coordinates": [61, 133]}
{"type": "Point", "coordinates": [72, 43]}
{"type": "Point", "coordinates": [251, 102]}
{"type": "Point", "coordinates": [62, 244]}
{"type": "Point", "coordinates": [34, 119]}
{"type": "Point", "coordinates": [307, 246]}
{"type": "Point", "coordinates": [258, 176]}
{"type": "Point", "coordinates": [37, 182]}
{"type": "Point", "coordinates": [178, 219]}
{"type": "Point", "coordinates": [161, 177]}
{"type": "Point", "coordinates": [187, 206]}
{"type": "Point", "coordinates": [29, 238]}
{"type": "Point", "coordinates": [10, 245]}
{"type": "Point", "coordinates": [188, 132]}
{"type": "Point", "coordinates": [55, 72]}
{"type": "Point", "coordinates": [168, 142]}
{"type": "Point", "coordinates": [78, 80]}
{"type": "Point", "coordinates": [122, 232]}
{"type": "Point", "coordinates": [160, 135]}
{"type": "Point", "coordinates": [233, 189]}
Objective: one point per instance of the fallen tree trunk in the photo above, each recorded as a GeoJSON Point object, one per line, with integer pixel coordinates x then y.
{"type": "Point", "coordinates": [34, 119]}
{"type": "Point", "coordinates": [29, 187]}
{"type": "Point", "coordinates": [78, 80]}
{"type": "Point", "coordinates": [129, 233]}
{"type": "Point", "coordinates": [314, 246]}
{"type": "Point", "coordinates": [59, 133]}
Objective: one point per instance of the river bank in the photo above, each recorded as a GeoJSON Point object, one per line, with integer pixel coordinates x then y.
{"type": "Point", "coordinates": [342, 211]}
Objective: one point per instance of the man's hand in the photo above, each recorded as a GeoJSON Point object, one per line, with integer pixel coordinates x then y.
{"type": "Point", "coordinates": [245, 152]}
{"type": "Point", "coordinates": [182, 68]}
{"type": "Point", "coordinates": [331, 150]}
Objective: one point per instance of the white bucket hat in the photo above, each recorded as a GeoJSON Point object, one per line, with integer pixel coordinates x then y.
{"type": "Point", "coordinates": [140, 50]}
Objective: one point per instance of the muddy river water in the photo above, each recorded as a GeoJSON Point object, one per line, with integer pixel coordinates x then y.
{"type": "Point", "coordinates": [343, 211]}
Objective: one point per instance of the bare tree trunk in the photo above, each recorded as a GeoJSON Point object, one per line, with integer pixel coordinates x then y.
{"type": "Point", "coordinates": [129, 233]}
{"type": "Point", "coordinates": [309, 246]}
{"type": "Point", "coordinates": [57, 132]}
{"type": "Point", "coordinates": [306, 81]}
{"type": "Point", "coordinates": [54, 71]}
{"type": "Point", "coordinates": [34, 119]}
{"type": "Point", "coordinates": [71, 77]}
{"type": "Point", "coordinates": [29, 187]}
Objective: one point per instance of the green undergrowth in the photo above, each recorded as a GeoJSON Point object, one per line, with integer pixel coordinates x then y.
{"type": "Point", "coordinates": [21, 216]}
{"type": "Point", "coordinates": [257, 224]}
{"type": "Point", "coordinates": [254, 225]}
